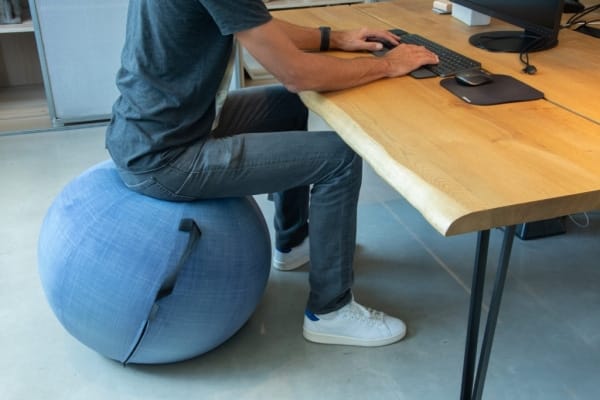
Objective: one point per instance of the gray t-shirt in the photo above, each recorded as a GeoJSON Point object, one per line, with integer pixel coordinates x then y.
{"type": "Point", "coordinates": [174, 58]}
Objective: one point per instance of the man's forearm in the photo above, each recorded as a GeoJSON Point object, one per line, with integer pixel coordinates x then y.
{"type": "Point", "coordinates": [304, 38]}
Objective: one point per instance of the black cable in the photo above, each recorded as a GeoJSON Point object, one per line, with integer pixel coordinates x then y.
{"type": "Point", "coordinates": [529, 69]}
{"type": "Point", "coordinates": [575, 18]}
{"type": "Point", "coordinates": [577, 22]}
{"type": "Point", "coordinates": [524, 51]}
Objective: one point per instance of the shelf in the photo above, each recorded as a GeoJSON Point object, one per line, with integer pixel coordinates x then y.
{"type": "Point", "coordinates": [23, 104]}
{"type": "Point", "coordinates": [26, 26]}
{"type": "Point", "coordinates": [23, 108]}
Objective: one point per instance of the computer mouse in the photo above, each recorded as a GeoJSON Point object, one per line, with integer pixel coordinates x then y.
{"type": "Point", "coordinates": [473, 77]}
{"type": "Point", "coordinates": [387, 45]}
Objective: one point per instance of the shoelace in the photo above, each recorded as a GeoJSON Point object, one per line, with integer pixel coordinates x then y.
{"type": "Point", "coordinates": [362, 313]}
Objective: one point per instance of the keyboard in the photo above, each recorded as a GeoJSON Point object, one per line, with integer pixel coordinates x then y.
{"type": "Point", "coordinates": [450, 63]}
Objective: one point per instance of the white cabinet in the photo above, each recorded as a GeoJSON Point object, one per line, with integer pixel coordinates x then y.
{"type": "Point", "coordinates": [80, 44]}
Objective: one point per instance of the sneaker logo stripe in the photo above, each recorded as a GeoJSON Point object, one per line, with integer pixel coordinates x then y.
{"type": "Point", "coordinates": [310, 315]}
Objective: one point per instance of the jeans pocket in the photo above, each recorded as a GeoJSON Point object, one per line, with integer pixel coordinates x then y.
{"type": "Point", "coordinates": [140, 185]}
{"type": "Point", "coordinates": [151, 187]}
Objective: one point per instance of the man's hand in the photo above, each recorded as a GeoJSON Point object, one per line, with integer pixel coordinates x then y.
{"type": "Point", "coordinates": [363, 39]}
{"type": "Point", "coordinates": [405, 58]}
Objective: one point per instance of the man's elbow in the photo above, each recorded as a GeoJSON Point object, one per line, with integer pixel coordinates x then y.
{"type": "Point", "coordinates": [297, 82]}
{"type": "Point", "coordinates": [291, 87]}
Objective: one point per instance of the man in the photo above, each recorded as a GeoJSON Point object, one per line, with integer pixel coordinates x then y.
{"type": "Point", "coordinates": [177, 135]}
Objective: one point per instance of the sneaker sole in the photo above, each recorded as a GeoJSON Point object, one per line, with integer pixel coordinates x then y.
{"type": "Point", "coordinates": [349, 341]}
{"type": "Point", "coordinates": [289, 266]}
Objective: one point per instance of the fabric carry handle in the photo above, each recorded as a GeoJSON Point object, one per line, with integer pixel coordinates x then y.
{"type": "Point", "coordinates": [185, 225]}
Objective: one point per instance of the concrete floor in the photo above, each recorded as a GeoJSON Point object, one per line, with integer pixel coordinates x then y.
{"type": "Point", "coordinates": [547, 341]}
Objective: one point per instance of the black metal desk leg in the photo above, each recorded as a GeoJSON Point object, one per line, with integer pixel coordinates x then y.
{"type": "Point", "coordinates": [483, 240]}
{"type": "Point", "coordinates": [469, 390]}
{"type": "Point", "coordinates": [490, 328]}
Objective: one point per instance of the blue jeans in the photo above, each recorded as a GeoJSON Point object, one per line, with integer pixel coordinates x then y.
{"type": "Point", "coordinates": [261, 146]}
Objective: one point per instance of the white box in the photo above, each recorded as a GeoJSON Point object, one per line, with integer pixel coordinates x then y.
{"type": "Point", "coordinates": [442, 6]}
{"type": "Point", "coordinates": [469, 16]}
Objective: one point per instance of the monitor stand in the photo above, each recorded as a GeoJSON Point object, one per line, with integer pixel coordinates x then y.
{"type": "Point", "coordinates": [511, 41]}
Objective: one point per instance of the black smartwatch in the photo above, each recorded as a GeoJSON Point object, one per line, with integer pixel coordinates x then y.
{"type": "Point", "coordinates": [325, 31]}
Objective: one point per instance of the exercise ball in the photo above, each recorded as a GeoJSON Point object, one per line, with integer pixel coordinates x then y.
{"type": "Point", "coordinates": [141, 280]}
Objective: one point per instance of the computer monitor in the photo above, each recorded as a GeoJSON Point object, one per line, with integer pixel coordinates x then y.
{"type": "Point", "coordinates": [540, 20]}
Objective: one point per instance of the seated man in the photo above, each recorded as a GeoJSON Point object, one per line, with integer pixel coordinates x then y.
{"type": "Point", "coordinates": [177, 135]}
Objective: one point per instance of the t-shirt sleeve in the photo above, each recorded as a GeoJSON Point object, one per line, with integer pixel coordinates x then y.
{"type": "Point", "coordinates": [233, 16]}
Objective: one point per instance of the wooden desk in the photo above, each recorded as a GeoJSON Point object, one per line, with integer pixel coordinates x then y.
{"type": "Point", "coordinates": [464, 167]}
{"type": "Point", "coordinates": [469, 168]}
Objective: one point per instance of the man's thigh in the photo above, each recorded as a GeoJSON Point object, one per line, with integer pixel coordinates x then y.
{"type": "Point", "coordinates": [257, 163]}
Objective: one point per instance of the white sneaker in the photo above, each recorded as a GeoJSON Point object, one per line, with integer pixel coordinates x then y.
{"type": "Point", "coordinates": [293, 259]}
{"type": "Point", "coordinates": [353, 325]}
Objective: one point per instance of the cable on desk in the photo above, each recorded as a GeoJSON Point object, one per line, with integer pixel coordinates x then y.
{"type": "Point", "coordinates": [523, 52]}
{"type": "Point", "coordinates": [577, 22]}
{"type": "Point", "coordinates": [529, 68]}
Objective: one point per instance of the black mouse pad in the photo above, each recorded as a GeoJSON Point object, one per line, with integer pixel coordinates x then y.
{"type": "Point", "coordinates": [503, 89]}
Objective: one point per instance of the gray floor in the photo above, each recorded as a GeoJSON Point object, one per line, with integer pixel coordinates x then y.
{"type": "Point", "coordinates": [547, 343]}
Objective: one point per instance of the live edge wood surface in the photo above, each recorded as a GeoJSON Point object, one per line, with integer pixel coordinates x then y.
{"type": "Point", "coordinates": [463, 167]}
